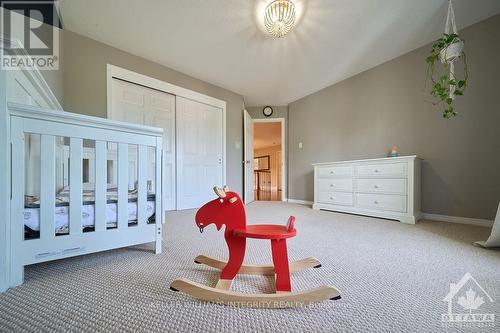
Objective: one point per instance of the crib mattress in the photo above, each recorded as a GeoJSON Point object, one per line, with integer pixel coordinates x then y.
{"type": "Point", "coordinates": [61, 216]}
{"type": "Point", "coordinates": [62, 209]}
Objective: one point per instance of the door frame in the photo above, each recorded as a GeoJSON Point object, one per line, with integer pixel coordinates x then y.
{"type": "Point", "coordinates": [247, 119]}
{"type": "Point", "coordinates": [5, 183]}
{"type": "Point", "coordinates": [283, 152]}
{"type": "Point", "coordinates": [113, 71]}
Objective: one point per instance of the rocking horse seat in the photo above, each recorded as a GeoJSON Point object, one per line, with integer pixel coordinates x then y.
{"type": "Point", "coordinates": [268, 231]}
{"type": "Point", "coordinates": [265, 231]}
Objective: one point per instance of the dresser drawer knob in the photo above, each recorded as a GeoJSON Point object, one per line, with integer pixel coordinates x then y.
{"type": "Point", "coordinates": [332, 172]}
{"type": "Point", "coordinates": [375, 186]}
{"type": "Point", "coordinates": [332, 198]}
{"type": "Point", "coordinates": [376, 202]}
{"type": "Point", "coordinates": [332, 185]}
{"type": "Point", "coordinates": [376, 170]}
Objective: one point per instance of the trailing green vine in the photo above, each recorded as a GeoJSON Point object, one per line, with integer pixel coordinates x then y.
{"type": "Point", "coordinates": [446, 85]}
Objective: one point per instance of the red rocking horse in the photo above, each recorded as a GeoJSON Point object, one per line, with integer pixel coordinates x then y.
{"type": "Point", "coordinates": [229, 210]}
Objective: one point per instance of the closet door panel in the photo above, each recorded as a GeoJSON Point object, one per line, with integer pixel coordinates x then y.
{"type": "Point", "coordinates": [127, 102]}
{"type": "Point", "coordinates": [160, 112]}
{"type": "Point", "coordinates": [140, 105]}
{"type": "Point", "coordinates": [199, 152]}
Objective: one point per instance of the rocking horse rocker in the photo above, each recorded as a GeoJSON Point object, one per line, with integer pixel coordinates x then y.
{"type": "Point", "coordinates": [229, 210]}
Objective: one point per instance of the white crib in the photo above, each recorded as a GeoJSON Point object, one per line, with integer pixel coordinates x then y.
{"type": "Point", "coordinates": [51, 126]}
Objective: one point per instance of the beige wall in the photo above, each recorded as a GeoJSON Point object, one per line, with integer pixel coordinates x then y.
{"type": "Point", "coordinates": [363, 116]}
{"type": "Point", "coordinates": [273, 162]}
{"type": "Point", "coordinates": [278, 112]}
{"type": "Point", "coordinates": [84, 78]}
{"type": "Point", "coordinates": [54, 78]}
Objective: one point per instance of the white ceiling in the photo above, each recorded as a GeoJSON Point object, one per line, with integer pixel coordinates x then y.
{"type": "Point", "coordinates": [222, 42]}
{"type": "Point", "coordinates": [266, 135]}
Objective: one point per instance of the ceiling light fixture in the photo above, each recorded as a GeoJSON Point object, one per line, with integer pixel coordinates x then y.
{"type": "Point", "coordinates": [279, 17]}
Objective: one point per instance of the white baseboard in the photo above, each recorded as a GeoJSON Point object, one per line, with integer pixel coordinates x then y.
{"type": "Point", "coordinates": [427, 216]}
{"type": "Point", "coordinates": [300, 202]}
{"type": "Point", "coordinates": [457, 219]}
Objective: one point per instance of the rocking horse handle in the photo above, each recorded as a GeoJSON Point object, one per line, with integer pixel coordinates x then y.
{"type": "Point", "coordinates": [291, 223]}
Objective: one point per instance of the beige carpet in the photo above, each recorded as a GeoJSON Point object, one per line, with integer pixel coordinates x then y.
{"type": "Point", "coordinates": [393, 277]}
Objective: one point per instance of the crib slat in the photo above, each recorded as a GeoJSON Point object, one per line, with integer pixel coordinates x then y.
{"type": "Point", "coordinates": [122, 185]}
{"type": "Point", "coordinates": [100, 185]}
{"type": "Point", "coordinates": [47, 186]}
{"type": "Point", "coordinates": [142, 160]}
{"type": "Point", "coordinates": [75, 185]}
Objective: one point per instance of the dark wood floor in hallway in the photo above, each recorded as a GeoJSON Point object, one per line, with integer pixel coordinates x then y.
{"type": "Point", "coordinates": [272, 195]}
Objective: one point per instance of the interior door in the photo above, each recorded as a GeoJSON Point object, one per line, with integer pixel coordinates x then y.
{"type": "Point", "coordinates": [140, 105]}
{"type": "Point", "coordinates": [199, 140]}
{"type": "Point", "coordinates": [248, 157]}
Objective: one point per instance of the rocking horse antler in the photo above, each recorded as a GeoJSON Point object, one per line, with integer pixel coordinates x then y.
{"type": "Point", "coordinates": [221, 193]}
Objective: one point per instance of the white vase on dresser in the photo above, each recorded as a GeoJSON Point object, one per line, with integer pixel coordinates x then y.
{"type": "Point", "coordinates": [382, 187]}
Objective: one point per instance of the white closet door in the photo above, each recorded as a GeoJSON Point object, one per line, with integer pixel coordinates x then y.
{"type": "Point", "coordinates": [160, 112]}
{"type": "Point", "coordinates": [199, 152]}
{"type": "Point", "coordinates": [140, 105]}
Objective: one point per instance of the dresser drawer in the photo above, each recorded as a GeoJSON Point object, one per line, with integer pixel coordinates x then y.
{"type": "Point", "coordinates": [335, 198]}
{"type": "Point", "coordinates": [335, 171]}
{"type": "Point", "coordinates": [395, 186]}
{"type": "Point", "coordinates": [335, 184]}
{"type": "Point", "coordinates": [392, 202]}
{"type": "Point", "coordinates": [387, 169]}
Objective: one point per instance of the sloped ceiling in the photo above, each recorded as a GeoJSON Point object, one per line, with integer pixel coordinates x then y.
{"type": "Point", "coordinates": [222, 41]}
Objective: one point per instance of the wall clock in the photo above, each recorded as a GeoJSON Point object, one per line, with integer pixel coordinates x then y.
{"type": "Point", "coordinates": [267, 111]}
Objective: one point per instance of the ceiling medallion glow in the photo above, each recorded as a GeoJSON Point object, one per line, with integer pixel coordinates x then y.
{"type": "Point", "coordinates": [279, 17]}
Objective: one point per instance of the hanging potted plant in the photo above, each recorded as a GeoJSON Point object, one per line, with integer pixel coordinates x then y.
{"type": "Point", "coordinates": [451, 48]}
{"type": "Point", "coordinates": [445, 52]}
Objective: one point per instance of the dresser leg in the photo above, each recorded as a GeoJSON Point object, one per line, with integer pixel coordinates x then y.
{"type": "Point", "coordinates": [408, 220]}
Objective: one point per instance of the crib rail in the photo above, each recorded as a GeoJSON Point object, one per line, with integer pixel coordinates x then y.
{"type": "Point", "coordinates": [51, 125]}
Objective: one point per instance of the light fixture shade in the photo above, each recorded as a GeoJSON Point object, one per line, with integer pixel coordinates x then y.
{"type": "Point", "coordinates": [279, 17]}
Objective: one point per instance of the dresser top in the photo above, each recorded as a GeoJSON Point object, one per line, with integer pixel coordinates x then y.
{"type": "Point", "coordinates": [412, 157]}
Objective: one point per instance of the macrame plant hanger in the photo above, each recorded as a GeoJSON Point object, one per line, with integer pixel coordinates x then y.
{"type": "Point", "coordinates": [450, 23]}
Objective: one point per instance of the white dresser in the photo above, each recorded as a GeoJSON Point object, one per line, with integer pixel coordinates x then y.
{"type": "Point", "coordinates": [381, 187]}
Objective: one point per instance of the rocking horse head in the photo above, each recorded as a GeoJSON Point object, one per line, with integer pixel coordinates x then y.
{"type": "Point", "coordinates": [227, 209]}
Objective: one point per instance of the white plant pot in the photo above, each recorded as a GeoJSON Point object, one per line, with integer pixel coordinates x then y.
{"type": "Point", "coordinates": [452, 52]}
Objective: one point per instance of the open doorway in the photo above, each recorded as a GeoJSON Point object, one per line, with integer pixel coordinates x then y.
{"type": "Point", "coordinates": [268, 147]}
